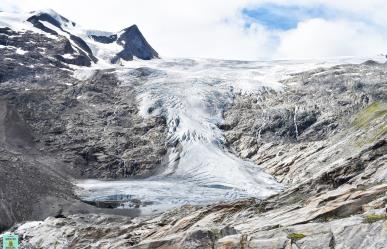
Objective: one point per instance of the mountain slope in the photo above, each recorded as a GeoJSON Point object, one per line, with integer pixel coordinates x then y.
{"type": "Point", "coordinates": [26, 179]}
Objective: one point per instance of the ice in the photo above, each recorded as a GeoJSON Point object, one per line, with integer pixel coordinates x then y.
{"type": "Point", "coordinates": [156, 194]}
{"type": "Point", "coordinates": [98, 33]}
{"type": "Point", "coordinates": [192, 96]}
{"type": "Point", "coordinates": [104, 52]}
{"type": "Point", "coordinates": [21, 51]}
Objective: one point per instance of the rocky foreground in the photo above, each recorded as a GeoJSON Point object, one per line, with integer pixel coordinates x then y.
{"type": "Point", "coordinates": [324, 137]}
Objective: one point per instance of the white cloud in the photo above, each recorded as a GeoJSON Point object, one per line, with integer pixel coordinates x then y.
{"type": "Point", "coordinates": [216, 28]}
{"type": "Point", "coordinates": [8, 6]}
{"type": "Point", "coordinates": [318, 38]}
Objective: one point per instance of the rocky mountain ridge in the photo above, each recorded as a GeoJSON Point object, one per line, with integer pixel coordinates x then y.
{"type": "Point", "coordinates": [79, 43]}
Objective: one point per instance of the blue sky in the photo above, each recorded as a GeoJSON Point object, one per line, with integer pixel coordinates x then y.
{"type": "Point", "coordinates": [236, 29]}
{"type": "Point", "coordinates": [285, 17]}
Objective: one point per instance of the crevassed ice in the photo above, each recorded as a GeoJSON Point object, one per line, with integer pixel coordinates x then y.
{"type": "Point", "coordinates": [192, 96]}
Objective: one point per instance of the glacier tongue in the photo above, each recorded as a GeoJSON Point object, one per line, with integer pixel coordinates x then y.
{"type": "Point", "coordinates": [192, 96]}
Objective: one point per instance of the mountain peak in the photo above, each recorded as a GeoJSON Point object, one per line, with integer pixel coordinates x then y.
{"type": "Point", "coordinates": [134, 44]}
{"type": "Point", "coordinates": [133, 27]}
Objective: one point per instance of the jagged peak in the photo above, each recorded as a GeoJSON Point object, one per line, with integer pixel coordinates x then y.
{"type": "Point", "coordinates": [134, 27]}
{"type": "Point", "coordinates": [134, 44]}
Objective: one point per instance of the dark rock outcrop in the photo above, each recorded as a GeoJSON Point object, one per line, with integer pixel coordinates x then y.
{"type": "Point", "coordinates": [134, 44]}
{"type": "Point", "coordinates": [81, 52]}
{"type": "Point", "coordinates": [104, 39]}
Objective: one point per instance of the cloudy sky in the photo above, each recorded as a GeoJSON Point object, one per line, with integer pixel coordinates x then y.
{"type": "Point", "coordinates": [236, 29]}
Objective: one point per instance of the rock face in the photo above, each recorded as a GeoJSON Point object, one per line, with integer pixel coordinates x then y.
{"type": "Point", "coordinates": [132, 41]}
{"type": "Point", "coordinates": [34, 185]}
{"type": "Point", "coordinates": [134, 44]}
{"type": "Point", "coordinates": [82, 54]}
{"type": "Point", "coordinates": [39, 54]}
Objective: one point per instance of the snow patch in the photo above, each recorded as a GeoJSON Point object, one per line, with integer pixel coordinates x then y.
{"type": "Point", "coordinates": [91, 32]}
{"type": "Point", "coordinates": [68, 56]}
{"type": "Point", "coordinates": [82, 73]}
{"type": "Point", "coordinates": [21, 51]}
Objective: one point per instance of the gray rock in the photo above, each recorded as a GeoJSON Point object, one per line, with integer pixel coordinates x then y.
{"type": "Point", "coordinates": [134, 44]}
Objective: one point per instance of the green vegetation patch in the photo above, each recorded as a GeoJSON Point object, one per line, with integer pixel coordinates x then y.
{"type": "Point", "coordinates": [364, 120]}
{"type": "Point", "coordinates": [371, 218]}
{"type": "Point", "coordinates": [371, 112]}
{"type": "Point", "coordinates": [296, 236]}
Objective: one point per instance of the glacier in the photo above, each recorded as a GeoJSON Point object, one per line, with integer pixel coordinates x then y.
{"type": "Point", "coordinates": [192, 94]}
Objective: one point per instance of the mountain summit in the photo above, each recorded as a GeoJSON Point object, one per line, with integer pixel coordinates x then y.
{"type": "Point", "coordinates": [132, 41]}
{"type": "Point", "coordinates": [134, 44]}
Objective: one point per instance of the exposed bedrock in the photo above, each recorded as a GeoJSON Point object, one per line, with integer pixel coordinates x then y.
{"type": "Point", "coordinates": [134, 45]}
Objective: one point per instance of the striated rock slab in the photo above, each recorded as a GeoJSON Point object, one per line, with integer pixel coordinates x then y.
{"type": "Point", "coordinates": [236, 225]}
